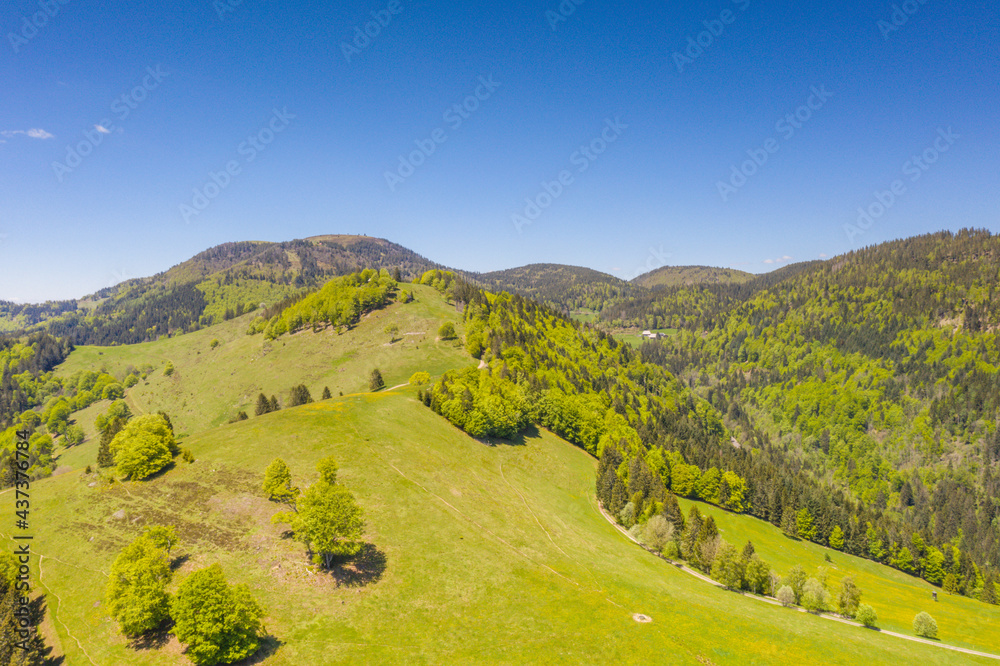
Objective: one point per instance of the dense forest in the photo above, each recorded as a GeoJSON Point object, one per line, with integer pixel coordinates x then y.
{"type": "Point", "coordinates": [824, 425]}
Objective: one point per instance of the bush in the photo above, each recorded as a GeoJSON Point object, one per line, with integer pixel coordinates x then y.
{"type": "Point", "coordinates": [143, 447]}
{"type": "Point", "coordinates": [214, 343]}
{"type": "Point", "coordinates": [866, 615]}
{"type": "Point", "coordinates": [658, 532]}
{"type": "Point", "coordinates": [814, 595]}
{"type": "Point", "coordinates": [924, 625]}
{"type": "Point", "coordinates": [375, 381]}
{"type": "Point", "coordinates": [218, 622]}
{"type": "Point", "coordinates": [74, 435]}
{"type": "Point", "coordinates": [447, 331]}
{"type": "Point", "coordinates": [187, 456]}
{"type": "Point", "coordinates": [786, 595]}
{"type": "Point", "coordinates": [169, 369]}
{"type": "Point", "coordinates": [420, 378]}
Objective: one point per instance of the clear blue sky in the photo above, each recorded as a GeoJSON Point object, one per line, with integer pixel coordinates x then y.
{"type": "Point", "coordinates": [651, 197]}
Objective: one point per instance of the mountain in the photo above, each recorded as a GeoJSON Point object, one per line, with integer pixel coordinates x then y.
{"type": "Point", "coordinates": [563, 287]}
{"type": "Point", "coordinates": [671, 276]}
{"type": "Point", "coordinates": [216, 285]}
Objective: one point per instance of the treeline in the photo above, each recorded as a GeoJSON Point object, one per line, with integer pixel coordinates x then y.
{"type": "Point", "coordinates": [582, 384]}
{"type": "Point", "coordinates": [340, 302]}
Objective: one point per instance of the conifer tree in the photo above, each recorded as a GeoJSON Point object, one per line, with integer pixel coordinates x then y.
{"type": "Point", "coordinates": [263, 406]}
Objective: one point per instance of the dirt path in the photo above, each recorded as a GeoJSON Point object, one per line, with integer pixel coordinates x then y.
{"type": "Point", "coordinates": [775, 602]}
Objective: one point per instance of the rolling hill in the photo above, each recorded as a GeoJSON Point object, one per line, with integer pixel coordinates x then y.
{"type": "Point", "coordinates": [671, 276]}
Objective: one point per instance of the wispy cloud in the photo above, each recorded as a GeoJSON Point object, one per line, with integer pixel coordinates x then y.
{"type": "Point", "coordinates": [34, 133]}
{"type": "Point", "coordinates": [780, 260]}
{"type": "Point", "coordinates": [102, 129]}
{"type": "Point", "coordinates": [822, 255]}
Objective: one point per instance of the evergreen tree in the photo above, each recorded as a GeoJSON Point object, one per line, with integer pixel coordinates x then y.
{"type": "Point", "coordinates": [326, 393]}
{"type": "Point", "coordinates": [375, 381]}
{"type": "Point", "coordinates": [263, 405]}
{"type": "Point", "coordinates": [273, 404]}
{"type": "Point", "coordinates": [837, 538]}
{"type": "Point", "coordinates": [278, 483]}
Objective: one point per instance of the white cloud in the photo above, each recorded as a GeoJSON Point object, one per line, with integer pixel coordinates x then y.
{"type": "Point", "coordinates": [769, 261]}
{"type": "Point", "coordinates": [822, 255]}
{"type": "Point", "coordinates": [34, 133]}
{"type": "Point", "coordinates": [102, 129]}
{"type": "Point", "coordinates": [785, 258]}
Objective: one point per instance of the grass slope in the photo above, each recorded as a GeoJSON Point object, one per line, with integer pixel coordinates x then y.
{"type": "Point", "coordinates": [480, 555]}
{"type": "Point", "coordinates": [209, 386]}
{"type": "Point", "coordinates": [895, 596]}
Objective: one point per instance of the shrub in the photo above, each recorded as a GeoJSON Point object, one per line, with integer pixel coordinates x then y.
{"type": "Point", "coordinates": [447, 331]}
{"type": "Point", "coordinates": [187, 456]}
{"type": "Point", "coordinates": [214, 343]}
{"type": "Point", "coordinates": [814, 595]}
{"type": "Point", "coordinates": [866, 615]}
{"type": "Point", "coordinates": [169, 369]}
{"type": "Point", "coordinates": [924, 625]}
{"type": "Point", "coordinates": [420, 378]}
{"type": "Point", "coordinates": [218, 622]}
{"type": "Point", "coordinates": [786, 595]}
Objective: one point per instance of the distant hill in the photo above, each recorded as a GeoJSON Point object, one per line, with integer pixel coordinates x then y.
{"type": "Point", "coordinates": [671, 276]}
{"type": "Point", "coordinates": [563, 287]}
{"type": "Point", "coordinates": [215, 285]}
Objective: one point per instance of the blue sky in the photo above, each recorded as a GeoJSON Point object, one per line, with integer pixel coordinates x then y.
{"type": "Point", "coordinates": [597, 134]}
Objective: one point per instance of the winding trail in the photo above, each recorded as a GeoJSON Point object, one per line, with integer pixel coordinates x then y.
{"type": "Point", "coordinates": [775, 602]}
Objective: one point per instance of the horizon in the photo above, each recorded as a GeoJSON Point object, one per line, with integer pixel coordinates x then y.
{"type": "Point", "coordinates": [727, 134]}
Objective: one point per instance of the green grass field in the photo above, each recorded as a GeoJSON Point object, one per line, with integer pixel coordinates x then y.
{"type": "Point", "coordinates": [480, 554]}
{"type": "Point", "coordinates": [209, 386]}
{"type": "Point", "coordinates": [895, 596]}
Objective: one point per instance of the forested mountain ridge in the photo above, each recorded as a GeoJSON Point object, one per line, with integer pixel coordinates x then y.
{"type": "Point", "coordinates": [671, 276]}
{"type": "Point", "coordinates": [877, 371]}
{"type": "Point", "coordinates": [557, 285]}
{"type": "Point", "coordinates": [217, 284]}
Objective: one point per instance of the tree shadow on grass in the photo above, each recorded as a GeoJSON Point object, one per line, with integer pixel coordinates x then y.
{"type": "Point", "coordinates": [520, 439]}
{"type": "Point", "coordinates": [269, 646]}
{"type": "Point", "coordinates": [153, 640]}
{"type": "Point", "coordinates": [178, 562]}
{"type": "Point", "coordinates": [36, 609]}
{"type": "Point", "coordinates": [363, 569]}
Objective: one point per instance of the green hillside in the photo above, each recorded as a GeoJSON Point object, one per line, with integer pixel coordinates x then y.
{"type": "Point", "coordinates": [670, 276]}
{"type": "Point", "coordinates": [478, 554]}
{"type": "Point", "coordinates": [210, 385]}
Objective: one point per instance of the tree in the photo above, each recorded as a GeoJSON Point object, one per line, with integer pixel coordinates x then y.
{"type": "Point", "coordinates": [866, 615]}
{"type": "Point", "coordinates": [420, 378]}
{"type": "Point", "coordinates": [219, 623]}
{"type": "Point", "coordinates": [837, 538]}
{"type": "Point", "coordinates": [375, 381]}
{"type": "Point", "coordinates": [758, 575]}
{"type": "Point", "coordinates": [814, 595]}
{"type": "Point", "coordinates": [273, 404]}
{"type": "Point", "coordinates": [804, 524]}
{"type": "Point", "coordinates": [74, 435]}
{"type": "Point", "coordinates": [299, 396]}
{"type": "Point", "coordinates": [263, 405]}
{"type": "Point", "coordinates": [924, 625]}
{"type": "Point", "coordinates": [989, 595]}
{"type": "Point", "coordinates": [658, 532]}
{"type": "Point", "coordinates": [278, 483]}
{"type": "Point", "coordinates": [796, 579]}
{"type": "Point", "coordinates": [328, 521]}
{"type": "Point", "coordinates": [849, 598]}
{"type": "Point", "coordinates": [728, 568]}
{"type": "Point", "coordinates": [143, 447]}
{"type": "Point", "coordinates": [447, 331]}
{"type": "Point", "coordinates": [326, 393]}
{"type": "Point", "coordinates": [104, 456]}
{"type": "Point", "coordinates": [786, 596]}
{"type": "Point", "coordinates": [136, 592]}
{"type": "Point", "coordinates": [391, 330]}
